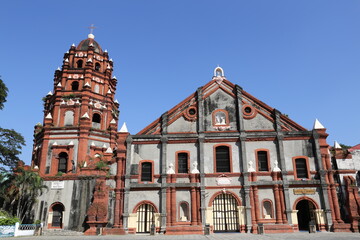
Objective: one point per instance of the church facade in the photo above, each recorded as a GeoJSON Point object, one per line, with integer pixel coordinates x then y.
{"type": "Point", "coordinates": [219, 161]}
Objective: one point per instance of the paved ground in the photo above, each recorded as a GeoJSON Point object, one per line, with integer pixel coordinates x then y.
{"type": "Point", "coordinates": [225, 236]}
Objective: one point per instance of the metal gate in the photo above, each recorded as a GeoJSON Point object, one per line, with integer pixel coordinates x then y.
{"type": "Point", "coordinates": [225, 214]}
{"type": "Point", "coordinates": [145, 218]}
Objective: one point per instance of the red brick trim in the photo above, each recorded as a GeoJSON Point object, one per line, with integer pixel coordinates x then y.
{"type": "Point", "coordinates": [146, 142]}
{"type": "Point", "coordinates": [49, 226]}
{"type": "Point", "coordinates": [188, 116]}
{"type": "Point", "coordinates": [262, 209]}
{"type": "Point", "coordinates": [56, 203]}
{"type": "Point", "coordinates": [182, 141]}
{"type": "Point", "coordinates": [221, 140]}
{"type": "Point", "coordinates": [214, 118]}
{"type": "Point", "coordinates": [145, 202]}
{"type": "Point", "coordinates": [260, 139]}
{"type": "Point", "coordinates": [305, 198]}
{"type": "Point", "coordinates": [252, 114]}
{"type": "Point", "coordinates": [211, 200]}
{"type": "Point", "coordinates": [188, 213]}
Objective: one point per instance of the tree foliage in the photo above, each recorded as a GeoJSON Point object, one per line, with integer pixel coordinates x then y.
{"type": "Point", "coordinates": [3, 94]}
{"type": "Point", "coordinates": [20, 191]}
{"type": "Point", "coordinates": [11, 144]}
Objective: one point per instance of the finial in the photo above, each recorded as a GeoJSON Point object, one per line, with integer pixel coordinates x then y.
{"type": "Point", "coordinates": [318, 125]}
{"type": "Point", "coordinates": [124, 129]}
{"type": "Point", "coordinates": [337, 145]}
{"type": "Point", "coordinates": [91, 35]}
{"type": "Point", "coordinates": [218, 72]}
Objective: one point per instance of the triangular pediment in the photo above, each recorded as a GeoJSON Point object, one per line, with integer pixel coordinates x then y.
{"type": "Point", "coordinates": [220, 95]}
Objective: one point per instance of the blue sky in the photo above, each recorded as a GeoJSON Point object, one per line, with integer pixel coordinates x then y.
{"type": "Point", "coordinates": [300, 57]}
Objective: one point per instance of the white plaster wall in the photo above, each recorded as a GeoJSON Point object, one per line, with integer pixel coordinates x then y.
{"type": "Point", "coordinates": [294, 197]}
{"type": "Point", "coordinates": [295, 148]}
{"type": "Point", "coordinates": [58, 195]}
{"type": "Point", "coordinates": [146, 152]}
{"type": "Point", "coordinates": [181, 125]}
{"type": "Point", "coordinates": [173, 148]}
{"type": "Point", "coordinates": [270, 145]}
{"type": "Point", "coordinates": [220, 100]}
{"type": "Point", "coordinates": [209, 156]}
{"type": "Point", "coordinates": [64, 142]}
{"type": "Point", "coordinates": [139, 196]}
{"type": "Point", "coordinates": [182, 195]}
{"type": "Point", "coordinates": [259, 122]}
{"type": "Point", "coordinates": [210, 193]}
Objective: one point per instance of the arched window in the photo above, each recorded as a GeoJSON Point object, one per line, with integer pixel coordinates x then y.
{"type": "Point", "coordinates": [63, 160]}
{"type": "Point", "coordinates": [97, 66]}
{"type": "Point", "coordinates": [146, 172]}
{"type": "Point", "coordinates": [182, 161]}
{"type": "Point", "coordinates": [184, 211]}
{"type": "Point", "coordinates": [222, 161]}
{"type": "Point", "coordinates": [96, 120]}
{"type": "Point", "coordinates": [69, 118]}
{"type": "Point", "coordinates": [301, 168]}
{"type": "Point", "coordinates": [262, 161]}
{"type": "Point", "coordinates": [79, 64]}
{"type": "Point", "coordinates": [97, 88]}
{"type": "Point", "coordinates": [75, 86]}
{"type": "Point", "coordinates": [267, 209]}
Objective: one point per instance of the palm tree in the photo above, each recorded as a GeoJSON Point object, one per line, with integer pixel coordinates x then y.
{"type": "Point", "coordinates": [22, 188]}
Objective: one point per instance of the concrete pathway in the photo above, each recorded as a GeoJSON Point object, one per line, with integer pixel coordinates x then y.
{"type": "Point", "coordinates": [217, 236]}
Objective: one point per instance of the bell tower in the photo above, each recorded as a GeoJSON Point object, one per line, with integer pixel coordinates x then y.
{"type": "Point", "coordinates": [80, 122]}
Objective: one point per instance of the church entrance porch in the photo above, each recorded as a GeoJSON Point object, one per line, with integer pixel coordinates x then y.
{"type": "Point", "coordinates": [305, 214]}
{"type": "Point", "coordinates": [225, 214]}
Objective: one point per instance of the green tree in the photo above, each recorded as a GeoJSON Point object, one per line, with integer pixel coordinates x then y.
{"type": "Point", "coordinates": [20, 191]}
{"type": "Point", "coordinates": [3, 93]}
{"type": "Point", "coordinates": [11, 142]}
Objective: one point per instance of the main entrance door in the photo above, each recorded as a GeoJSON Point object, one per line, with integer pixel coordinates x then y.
{"type": "Point", "coordinates": [305, 214]}
{"type": "Point", "coordinates": [225, 214]}
{"type": "Point", "coordinates": [145, 218]}
{"type": "Point", "coordinates": [58, 210]}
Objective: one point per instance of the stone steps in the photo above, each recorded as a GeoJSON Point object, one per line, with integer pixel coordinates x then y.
{"type": "Point", "coordinates": [61, 232]}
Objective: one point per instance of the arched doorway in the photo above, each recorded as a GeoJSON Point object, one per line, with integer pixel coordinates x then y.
{"type": "Point", "coordinates": [305, 214]}
{"type": "Point", "coordinates": [145, 218]}
{"type": "Point", "coordinates": [57, 216]}
{"type": "Point", "coordinates": [225, 213]}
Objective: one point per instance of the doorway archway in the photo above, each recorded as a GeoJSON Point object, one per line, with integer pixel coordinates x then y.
{"type": "Point", "coordinates": [57, 215]}
{"type": "Point", "coordinates": [225, 213]}
{"type": "Point", "coordinates": [305, 213]}
{"type": "Point", "coordinates": [145, 218]}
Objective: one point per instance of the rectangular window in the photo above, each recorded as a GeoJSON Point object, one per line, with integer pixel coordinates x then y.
{"type": "Point", "coordinates": [222, 159]}
{"type": "Point", "coordinates": [301, 168]}
{"type": "Point", "coordinates": [263, 161]}
{"type": "Point", "coordinates": [146, 172]}
{"type": "Point", "coordinates": [182, 163]}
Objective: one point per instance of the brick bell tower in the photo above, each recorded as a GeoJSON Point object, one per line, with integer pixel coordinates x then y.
{"type": "Point", "coordinates": [80, 115]}
{"type": "Point", "coordinates": [78, 150]}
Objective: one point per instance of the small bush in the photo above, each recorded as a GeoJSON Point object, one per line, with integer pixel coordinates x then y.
{"type": "Point", "coordinates": [6, 219]}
